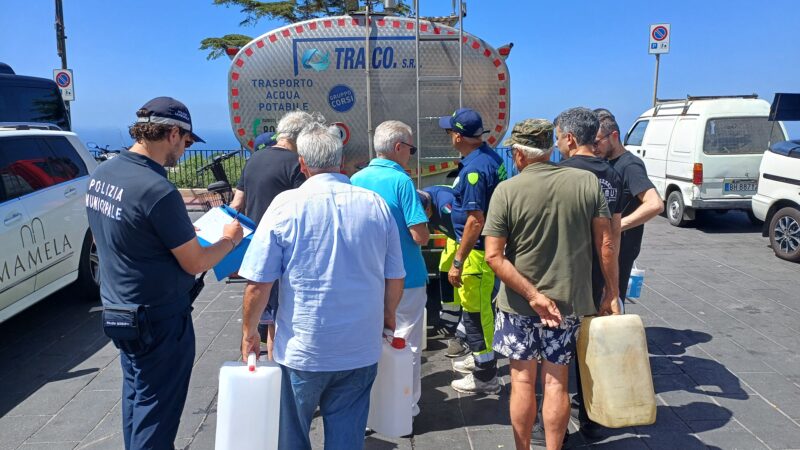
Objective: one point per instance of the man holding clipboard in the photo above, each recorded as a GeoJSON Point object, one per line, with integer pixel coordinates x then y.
{"type": "Point", "coordinates": [149, 256]}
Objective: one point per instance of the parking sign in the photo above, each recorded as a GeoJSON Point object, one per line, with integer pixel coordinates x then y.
{"type": "Point", "coordinates": [65, 82]}
{"type": "Point", "coordinates": [659, 38]}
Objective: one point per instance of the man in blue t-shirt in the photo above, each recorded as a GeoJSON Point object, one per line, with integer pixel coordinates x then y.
{"type": "Point", "coordinates": [149, 254]}
{"type": "Point", "coordinates": [386, 175]}
{"type": "Point", "coordinates": [480, 171]}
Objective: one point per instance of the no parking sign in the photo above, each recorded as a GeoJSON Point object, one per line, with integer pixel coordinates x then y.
{"type": "Point", "coordinates": [64, 80]}
{"type": "Point", "coordinates": [659, 38]}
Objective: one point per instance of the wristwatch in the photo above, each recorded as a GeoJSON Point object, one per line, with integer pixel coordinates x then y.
{"type": "Point", "coordinates": [458, 264]}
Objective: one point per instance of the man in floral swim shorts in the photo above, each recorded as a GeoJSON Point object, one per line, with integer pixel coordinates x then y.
{"type": "Point", "coordinates": [539, 243]}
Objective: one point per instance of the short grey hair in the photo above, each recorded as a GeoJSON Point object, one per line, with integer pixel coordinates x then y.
{"type": "Point", "coordinates": [532, 152]}
{"type": "Point", "coordinates": [608, 123]}
{"type": "Point", "coordinates": [291, 124]}
{"type": "Point", "coordinates": [581, 123]}
{"type": "Point", "coordinates": [320, 146]}
{"type": "Point", "coordinates": [389, 133]}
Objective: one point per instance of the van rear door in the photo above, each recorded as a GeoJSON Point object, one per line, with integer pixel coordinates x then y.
{"type": "Point", "coordinates": [731, 154]}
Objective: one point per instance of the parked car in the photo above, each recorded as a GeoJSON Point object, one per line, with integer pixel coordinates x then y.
{"type": "Point", "coordinates": [44, 232]}
{"type": "Point", "coordinates": [777, 202]}
{"type": "Point", "coordinates": [26, 99]}
{"type": "Point", "coordinates": [704, 152]}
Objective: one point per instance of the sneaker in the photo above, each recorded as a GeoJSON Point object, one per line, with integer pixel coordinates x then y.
{"type": "Point", "coordinates": [441, 332]}
{"type": "Point", "coordinates": [466, 365]}
{"type": "Point", "coordinates": [456, 348]}
{"type": "Point", "coordinates": [537, 435]}
{"type": "Point", "coordinates": [471, 385]}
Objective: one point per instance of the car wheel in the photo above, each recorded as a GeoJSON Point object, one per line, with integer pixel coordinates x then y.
{"type": "Point", "coordinates": [675, 209]}
{"type": "Point", "coordinates": [784, 234]}
{"type": "Point", "coordinates": [88, 282]}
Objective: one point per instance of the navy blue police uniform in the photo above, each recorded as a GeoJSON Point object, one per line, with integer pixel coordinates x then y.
{"type": "Point", "coordinates": [137, 217]}
{"type": "Point", "coordinates": [479, 174]}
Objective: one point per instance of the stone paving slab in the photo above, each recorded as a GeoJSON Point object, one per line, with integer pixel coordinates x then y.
{"type": "Point", "coordinates": [722, 316]}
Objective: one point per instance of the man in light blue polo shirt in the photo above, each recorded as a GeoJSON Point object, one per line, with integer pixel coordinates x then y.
{"type": "Point", "coordinates": [386, 175]}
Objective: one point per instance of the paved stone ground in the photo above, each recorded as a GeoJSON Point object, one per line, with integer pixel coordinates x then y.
{"type": "Point", "coordinates": [721, 313]}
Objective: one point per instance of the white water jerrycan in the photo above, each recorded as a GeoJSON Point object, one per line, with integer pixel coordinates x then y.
{"type": "Point", "coordinates": [391, 396]}
{"type": "Point", "coordinates": [248, 405]}
{"type": "Point", "coordinates": [615, 371]}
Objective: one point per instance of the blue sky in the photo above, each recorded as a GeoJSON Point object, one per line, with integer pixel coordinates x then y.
{"type": "Point", "coordinates": [566, 53]}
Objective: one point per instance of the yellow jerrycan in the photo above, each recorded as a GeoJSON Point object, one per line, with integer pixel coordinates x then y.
{"type": "Point", "coordinates": [615, 371]}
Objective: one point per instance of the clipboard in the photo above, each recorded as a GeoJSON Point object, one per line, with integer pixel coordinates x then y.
{"type": "Point", "coordinates": [210, 225]}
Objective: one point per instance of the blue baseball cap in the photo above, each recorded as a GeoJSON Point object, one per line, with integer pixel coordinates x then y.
{"type": "Point", "coordinates": [465, 121]}
{"type": "Point", "coordinates": [265, 140]}
{"type": "Point", "coordinates": [168, 111]}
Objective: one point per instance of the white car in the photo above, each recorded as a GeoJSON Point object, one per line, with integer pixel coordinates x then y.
{"type": "Point", "coordinates": [44, 234]}
{"type": "Point", "coordinates": [704, 152]}
{"type": "Point", "coordinates": [777, 202]}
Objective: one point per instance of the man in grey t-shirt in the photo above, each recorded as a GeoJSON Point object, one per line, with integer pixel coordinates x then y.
{"type": "Point", "coordinates": [538, 241]}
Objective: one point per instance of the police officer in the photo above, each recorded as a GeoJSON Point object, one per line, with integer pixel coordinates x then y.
{"type": "Point", "coordinates": [149, 254]}
{"type": "Point", "coordinates": [480, 171]}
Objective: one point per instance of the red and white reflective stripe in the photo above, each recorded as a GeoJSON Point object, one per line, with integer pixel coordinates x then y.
{"type": "Point", "coordinates": [471, 42]}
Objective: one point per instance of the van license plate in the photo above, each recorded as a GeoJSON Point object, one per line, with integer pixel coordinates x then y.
{"type": "Point", "coordinates": [741, 186]}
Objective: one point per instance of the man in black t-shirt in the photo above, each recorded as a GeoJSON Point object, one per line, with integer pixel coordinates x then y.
{"type": "Point", "coordinates": [582, 157]}
{"type": "Point", "coordinates": [641, 203]}
{"type": "Point", "coordinates": [578, 152]}
{"type": "Point", "coordinates": [270, 171]}
{"type": "Point", "coordinates": [149, 254]}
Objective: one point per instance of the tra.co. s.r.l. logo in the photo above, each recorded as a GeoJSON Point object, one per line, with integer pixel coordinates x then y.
{"type": "Point", "coordinates": [37, 253]}
{"type": "Point", "coordinates": [315, 60]}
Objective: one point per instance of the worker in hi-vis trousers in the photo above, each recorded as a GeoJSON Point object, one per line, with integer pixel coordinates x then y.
{"type": "Point", "coordinates": [480, 171]}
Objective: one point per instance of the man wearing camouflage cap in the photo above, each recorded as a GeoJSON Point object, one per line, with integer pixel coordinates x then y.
{"type": "Point", "coordinates": [538, 236]}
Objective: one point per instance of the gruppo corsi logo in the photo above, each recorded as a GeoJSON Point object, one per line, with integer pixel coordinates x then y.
{"type": "Point", "coordinates": [315, 60]}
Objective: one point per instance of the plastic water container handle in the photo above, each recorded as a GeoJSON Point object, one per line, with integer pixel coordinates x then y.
{"type": "Point", "coordinates": [251, 362]}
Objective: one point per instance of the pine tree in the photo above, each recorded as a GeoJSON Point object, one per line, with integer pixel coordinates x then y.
{"type": "Point", "coordinates": [286, 11]}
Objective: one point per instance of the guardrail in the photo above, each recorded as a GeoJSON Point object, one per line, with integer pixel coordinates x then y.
{"type": "Point", "coordinates": [184, 174]}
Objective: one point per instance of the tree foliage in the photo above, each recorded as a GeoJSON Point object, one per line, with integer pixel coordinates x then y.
{"type": "Point", "coordinates": [217, 46]}
{"type": "Point", "coordinates": [288, 11]}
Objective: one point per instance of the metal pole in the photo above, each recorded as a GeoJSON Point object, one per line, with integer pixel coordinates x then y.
{"type": "Point", "coordinates": [368, 58]}
{"type": "Point", "coordinates": [61, 45]}
{"type": "Point", "coordinates": [416, 68]}
{"type": "Point", "coordinates": [655, 83]}
{"type": "Point", "coordinates": [460, 54]}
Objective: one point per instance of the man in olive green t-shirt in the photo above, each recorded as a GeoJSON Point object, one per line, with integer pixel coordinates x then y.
{"type": "Point", "coordinates": [539, 230]}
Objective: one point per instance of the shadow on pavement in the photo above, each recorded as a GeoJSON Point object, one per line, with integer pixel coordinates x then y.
{"type": "Point", "coordinates": [48, 343]}
{"type": "Point", "coordinates": [731, 222]}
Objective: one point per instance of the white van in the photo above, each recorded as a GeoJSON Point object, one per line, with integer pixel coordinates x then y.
{"type": "Point", "coordinates": [704, 152]}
